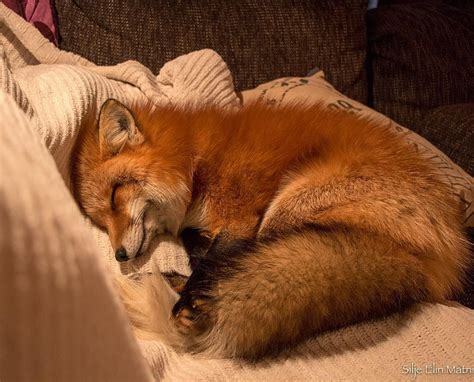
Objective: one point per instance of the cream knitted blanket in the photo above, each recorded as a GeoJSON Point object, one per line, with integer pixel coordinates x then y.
{"type": "Point", "coordinates": [61, 319]}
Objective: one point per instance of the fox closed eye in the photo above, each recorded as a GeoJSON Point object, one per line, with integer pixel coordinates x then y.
{"type": "Point", "coordinates": [112, 196]}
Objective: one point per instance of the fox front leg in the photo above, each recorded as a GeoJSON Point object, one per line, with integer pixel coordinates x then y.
{"type": "Point", "coordinates": [197, 244]}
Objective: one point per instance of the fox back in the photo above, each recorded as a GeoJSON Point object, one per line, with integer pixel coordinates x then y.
{"type": "Point", "coordinates": [316, 218]}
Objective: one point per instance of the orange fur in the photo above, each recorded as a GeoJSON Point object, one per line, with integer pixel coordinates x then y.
{"type": "Point", "coordinates": [306, 185]}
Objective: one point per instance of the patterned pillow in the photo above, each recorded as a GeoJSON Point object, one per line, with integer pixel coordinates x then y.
{"type": "Point", "coordinates": [315, 89]}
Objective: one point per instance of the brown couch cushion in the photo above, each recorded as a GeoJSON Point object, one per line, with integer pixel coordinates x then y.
{"type": "Point", "coordinates": [260, 40]}
{"type": "Point", "coordinates": [421, 58]}
{"type": "Point", "coordinates": [451, 129]}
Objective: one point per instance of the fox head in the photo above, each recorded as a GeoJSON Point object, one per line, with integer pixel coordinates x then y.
{"type": "Point", "coordinates": [131, 174]}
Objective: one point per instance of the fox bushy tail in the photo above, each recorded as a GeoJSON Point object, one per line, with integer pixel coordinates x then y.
{"type": "Point", "coordinates": [309, 282]}
{"type": "Point", "coordinates": [283, 290]}
{"type": "Point", "coordinates": [148, 303]}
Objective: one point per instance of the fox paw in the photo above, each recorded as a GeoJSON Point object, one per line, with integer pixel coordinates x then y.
{"type": "Point", "coordinates": [192, 314]}
{"type": "Point", "coordinates": [195, 312]}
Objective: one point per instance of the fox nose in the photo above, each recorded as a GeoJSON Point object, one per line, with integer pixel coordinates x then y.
{"type": "Point", "coordinates": [121, 254]}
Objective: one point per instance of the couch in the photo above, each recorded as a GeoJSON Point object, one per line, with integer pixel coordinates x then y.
{"type": "Point", "coordinates": [260, 42]}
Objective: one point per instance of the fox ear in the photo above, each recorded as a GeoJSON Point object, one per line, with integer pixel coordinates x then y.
{"type": "Point", "coordinates": [117, 127]}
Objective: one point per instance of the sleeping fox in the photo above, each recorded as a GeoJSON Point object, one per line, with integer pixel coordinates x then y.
{"type": "Point", "coordinates": [312, 218]}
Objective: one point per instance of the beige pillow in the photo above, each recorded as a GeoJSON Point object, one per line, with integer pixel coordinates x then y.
{"type": "Point", "coordinates": [316, 89]}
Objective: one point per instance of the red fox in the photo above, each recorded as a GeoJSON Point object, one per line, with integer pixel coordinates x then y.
{"type": "Point", "coordinates": [313, 219]}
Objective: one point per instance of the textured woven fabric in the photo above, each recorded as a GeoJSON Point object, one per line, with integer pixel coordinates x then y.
{"type": "Point", "coordinates": [259, 40]}
{"type": "Point", "coordinates": [422, 58]}
{"type": "Point", "coordinates": [60, 318]}
{"type": "Point", "coordinates": [425, 337]}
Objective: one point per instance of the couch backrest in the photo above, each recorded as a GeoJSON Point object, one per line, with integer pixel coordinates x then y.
{"type": "Point", "coordinates": [259, 39]}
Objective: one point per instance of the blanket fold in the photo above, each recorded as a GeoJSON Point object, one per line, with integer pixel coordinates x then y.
{"type": "Point", "coordinates": [61, 319]}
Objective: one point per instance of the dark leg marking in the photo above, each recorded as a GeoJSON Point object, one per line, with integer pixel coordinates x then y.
{"type": "Point", "coordinates": [194, 310]}
{"type": "Point", "coordinates": [196, 243]}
